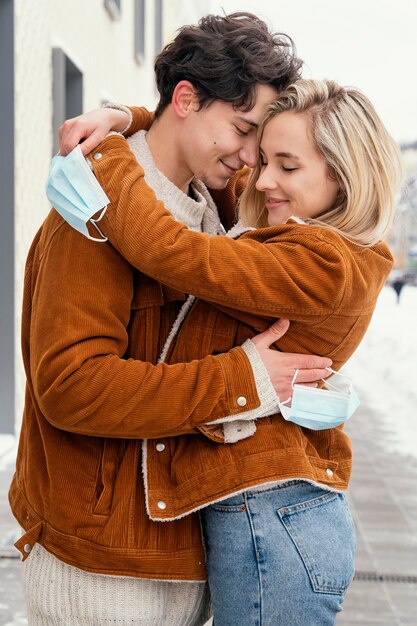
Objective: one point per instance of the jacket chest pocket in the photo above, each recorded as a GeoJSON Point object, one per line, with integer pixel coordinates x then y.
{"type": "Point", "coordinates": [147, 293]}
{"type": "Point", "coordinates": [207, 330]}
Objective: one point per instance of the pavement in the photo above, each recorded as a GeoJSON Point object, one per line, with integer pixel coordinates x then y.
{"type": "Point", "coordinates": [383, 497]}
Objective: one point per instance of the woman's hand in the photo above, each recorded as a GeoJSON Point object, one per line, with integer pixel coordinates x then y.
{"type": "Point", "coordinates": [281, 366]}
{"type": "Point", "coordinates": [90, 129]}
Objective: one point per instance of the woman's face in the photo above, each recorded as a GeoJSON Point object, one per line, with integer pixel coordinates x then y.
{"type": "Point", "coordinates": [294, 176]}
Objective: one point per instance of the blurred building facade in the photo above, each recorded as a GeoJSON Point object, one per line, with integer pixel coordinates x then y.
{"type": "Point", "coordinates": [404, 233]}
{"type": "Point", "coordinates": [59, 58]}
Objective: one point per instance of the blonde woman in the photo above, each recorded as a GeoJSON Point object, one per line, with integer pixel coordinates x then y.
{"type": "Point", "coordinates": [278, 533]}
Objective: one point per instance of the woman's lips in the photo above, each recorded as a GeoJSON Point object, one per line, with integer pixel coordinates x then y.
{"type": "Point", "coordinates": [272, 203]}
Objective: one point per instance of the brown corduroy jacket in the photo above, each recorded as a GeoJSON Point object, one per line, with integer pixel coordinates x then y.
{"type": "Point", "coordinates": [78, 487]}
{"type": "Point", "coordinates": [91, 328]}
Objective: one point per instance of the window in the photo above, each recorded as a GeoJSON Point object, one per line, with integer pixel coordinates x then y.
{"type": "Point", "coordinates": [67, 91]}
{"type": "Point", "coordinates": [159, 30]}
{"type": "Point", "coordinates": [113, 7]}
{"type": "Point", "coordinates": [7, 354]}
{"type": "Point", "coordinates": [140, 30]}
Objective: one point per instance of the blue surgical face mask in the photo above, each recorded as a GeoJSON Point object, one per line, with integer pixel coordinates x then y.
{"type": "Point", "coordinates": [319, 409]}
{"type": "Point", "coordinates": [75, 193]}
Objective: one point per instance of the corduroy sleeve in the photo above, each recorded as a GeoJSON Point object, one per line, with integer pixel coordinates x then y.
{"type": "Point", "coordinates": [81, 306]}
{"type": "Point", "coordinates": [274, 272]}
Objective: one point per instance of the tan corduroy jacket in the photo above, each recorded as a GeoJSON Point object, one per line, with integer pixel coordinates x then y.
{"type": "Point", "coordinates": [78, 488]}
{"type": "Point", "coordinates": [82, 495]}
{"type": "Point", "coordinates": [325, 284]}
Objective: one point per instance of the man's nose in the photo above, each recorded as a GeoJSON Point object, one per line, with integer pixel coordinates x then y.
{"type": "Point", "coordinates": [249, 153]}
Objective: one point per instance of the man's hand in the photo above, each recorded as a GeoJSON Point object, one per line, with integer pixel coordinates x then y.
{"type": "Point", "coordinates": [281, 366]}
{"type": "Point", "coordinates": [90, 129]}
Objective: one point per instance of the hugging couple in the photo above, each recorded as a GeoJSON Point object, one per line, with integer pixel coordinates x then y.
{"type": "Point", "coordinates": [180, 453]}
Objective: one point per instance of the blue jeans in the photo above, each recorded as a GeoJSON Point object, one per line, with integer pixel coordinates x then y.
{"type": "Point", "coordinates": [282, 557]}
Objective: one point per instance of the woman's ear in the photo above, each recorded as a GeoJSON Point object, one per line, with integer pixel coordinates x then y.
{"type": "Point", "coordinates": [184, 98]}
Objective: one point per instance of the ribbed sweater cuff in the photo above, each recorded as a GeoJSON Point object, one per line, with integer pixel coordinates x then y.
{"type": "Point", "coordinates": [125, 109]}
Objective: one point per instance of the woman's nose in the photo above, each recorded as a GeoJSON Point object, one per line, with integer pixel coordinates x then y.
{"type": "Point", "coordinates": [264, 181]}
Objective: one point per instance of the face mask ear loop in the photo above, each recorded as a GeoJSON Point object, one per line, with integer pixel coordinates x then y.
{"type": "Point", "coordinates": [329, 384]}
{"type": "Point", "coordinates": [101, 233]}
{"type": "Point", "coordinates": [94, 221]}
{"type": "Point", "coordinates": [294, 377]}
{"type": "Point", "coordinates": [292, 385]}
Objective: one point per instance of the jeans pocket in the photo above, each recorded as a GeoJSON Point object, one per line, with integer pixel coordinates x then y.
{"type": "Point", "coordinates": [322, 530]}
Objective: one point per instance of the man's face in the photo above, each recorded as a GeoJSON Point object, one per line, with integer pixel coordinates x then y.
{"type": "Point", "coordinates": [220, 139]}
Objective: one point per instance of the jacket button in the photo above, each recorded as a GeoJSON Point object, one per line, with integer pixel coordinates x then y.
{"type": "Point", "coordinates": [162, 505]}
{"type": "Point", "coordinates": [27, 548]}
{"type": "Point", "coordinates": [160, 447]}
{"type": "Point", "coordinates": [329, 473]}
{"type": "Point", "coordinates": [242, 401]}
{"type": "Point", "coordinates": [97, 156]}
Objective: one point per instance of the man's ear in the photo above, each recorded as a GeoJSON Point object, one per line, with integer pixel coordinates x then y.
{"type": "Point", "coordinates": [184, 98]}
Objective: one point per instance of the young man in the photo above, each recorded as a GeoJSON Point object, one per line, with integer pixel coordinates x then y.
{"type": "Point", "coordinates": [93, 330]}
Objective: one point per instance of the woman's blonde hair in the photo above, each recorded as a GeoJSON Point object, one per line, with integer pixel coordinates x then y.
{"type": "Point", "coordinates": [360, 154]}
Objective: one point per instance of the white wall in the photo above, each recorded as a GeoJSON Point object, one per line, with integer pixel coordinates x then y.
{"type": "Point", "coordinates": [179, 12]}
